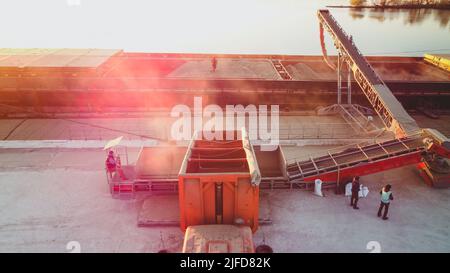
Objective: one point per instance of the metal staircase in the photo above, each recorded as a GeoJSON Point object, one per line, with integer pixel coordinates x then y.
{"type": "Point", "coordinates": [281, 70]}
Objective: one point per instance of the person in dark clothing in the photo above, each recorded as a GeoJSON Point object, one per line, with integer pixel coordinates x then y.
{"type": "Point", "coordinates": [111, 163]}
{"type": "Point", "coordinates": [214, 64]}
{"type": "Point", "coordinates": [386, 197]}
{"type": "Point", "coordinates": [355, 193]}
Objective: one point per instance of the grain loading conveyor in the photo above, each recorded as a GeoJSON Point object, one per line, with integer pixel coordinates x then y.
{"type": "Point", "coordinates": [372, 158]}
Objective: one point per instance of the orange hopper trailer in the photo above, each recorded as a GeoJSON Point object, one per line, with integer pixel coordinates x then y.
{"type": "Point", "coordinates": [219, 185]}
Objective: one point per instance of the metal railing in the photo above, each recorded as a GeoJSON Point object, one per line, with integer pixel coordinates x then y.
{"type": "Point", "coordinates": [289, 132]}
{"type": "Point", "coordinates": [340, 148]}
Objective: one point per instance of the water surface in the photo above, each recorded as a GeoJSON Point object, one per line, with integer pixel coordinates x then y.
{"type": "Point", "coordinates": [206, 26]}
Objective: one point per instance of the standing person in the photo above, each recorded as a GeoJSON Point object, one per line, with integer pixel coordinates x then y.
{"type": "Point", "coordinates": [111, 164]}
{"type": "Point", "coordinates": [214, 64]}
{"type": "Point", "coordinates": [355, 192]}
{"type": "Point", "coordinates": [386, 197]}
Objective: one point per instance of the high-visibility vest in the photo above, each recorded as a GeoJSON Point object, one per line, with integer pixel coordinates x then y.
{"type": "Point", "coordinates": [385, 196]}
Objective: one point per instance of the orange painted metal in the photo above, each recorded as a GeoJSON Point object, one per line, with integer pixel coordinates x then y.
{"type": "Point", "coordinates": [423, 169]}
{"type": "Point", "coordinates": [215, 185]}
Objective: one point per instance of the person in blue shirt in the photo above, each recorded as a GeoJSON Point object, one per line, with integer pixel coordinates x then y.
{"type": "Point", "coordinates": [386, 197]}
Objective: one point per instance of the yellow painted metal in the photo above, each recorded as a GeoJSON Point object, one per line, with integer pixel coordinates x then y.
{"type": "Point", "coordinates": [441, 61]}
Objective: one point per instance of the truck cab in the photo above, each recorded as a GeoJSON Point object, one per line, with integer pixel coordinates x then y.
{"type": "Point", "coordinates": [218, 239]}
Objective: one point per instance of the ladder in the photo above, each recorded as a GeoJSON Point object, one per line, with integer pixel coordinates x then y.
{"type": "Point", "coordinates": [281, 70]}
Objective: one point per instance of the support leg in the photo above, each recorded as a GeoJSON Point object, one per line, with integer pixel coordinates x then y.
{"type": "Point", "coordinates": [349, 86]}
{"type": "Point", "coordinates": [380, 209]}
{"type": "Point", "coordinates": [339, 78]}
{"type": "Point", "coordinates": [386, 209]}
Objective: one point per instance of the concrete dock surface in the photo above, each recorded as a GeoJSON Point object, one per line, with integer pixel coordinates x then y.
{"type": "Point", "coordinates": [50, 197]}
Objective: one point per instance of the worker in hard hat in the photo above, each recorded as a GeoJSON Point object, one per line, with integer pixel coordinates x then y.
{"type": "Point", "coordinates": [355, 193]}
{"type": "Point", "coordinates": [110, 164]}
{"type": "Point", "coordinates": [386, 197]}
